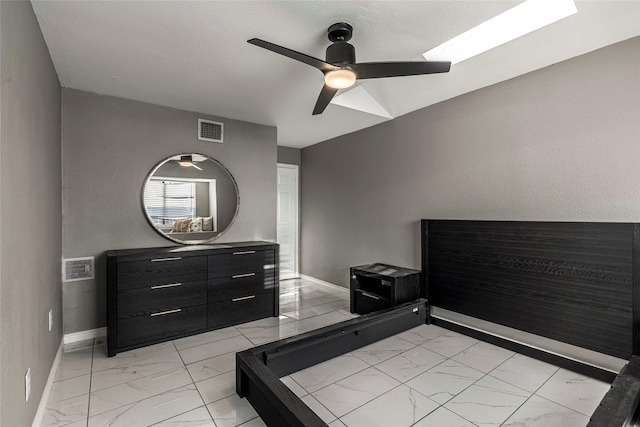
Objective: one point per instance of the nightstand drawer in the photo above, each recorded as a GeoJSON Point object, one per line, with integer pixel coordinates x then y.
{"type": "Point", "coordinates": [366, 302]}
{"type": "Point", "coordinates": [161, 271]}
{"type": "Point", "coordinates": [144, 301]}
{"type": "Point", "coordinates": [166, 324]}
{"type": "Point", "coordinates": [240, 310]}
{"type": "Point", "coordinates": [242, 285]}
{"type": "Point", "coordinates": [239, 262]}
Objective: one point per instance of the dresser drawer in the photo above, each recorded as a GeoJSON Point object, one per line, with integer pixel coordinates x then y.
{"type": "Point", "coordinates": [239, 262]}
{"type": "Point", "coordinates": [159, 294]}
{"type": "Point", "coordinates": [161, 271]}
{"type": "Point", "coordinates": [150, 299]}
{"type": "Point", "coordinates": [163, 325]}
{"type": "Point", "coordinates": [227, 289]}
{"type": "Point", "coordinates": [240, 310]}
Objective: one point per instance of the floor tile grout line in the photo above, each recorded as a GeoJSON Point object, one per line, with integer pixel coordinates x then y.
{"type": "Point", "coordinates": [398, 386]}
{"type": "Point", "coordinates": [468, 387]}
{"type": "Point", "coordinates": [93, 355]}
{"type": "Point", "coordinates": [401, 382]}
{"type": "Point", "coordinates": [143, 399]}
{"type": "Point", "coordinates": [531, 395]}
{"type": "Point", "coordinates": [447, 409]}
{"type": "Point", "coordinates": [163, 370]}
{"type": "Point", "coordinates": [60, 363]}
{"type": "Point", "coordinates": [369, 367]}
{"type": "Point", "coordinates": [148, 397]}
{"type": "Point", "coordinates": [321, 404]}
{"type": "Point", "coordinates": [464, 389]}
{"type": "Point", "coordinates": [485, 373]}
{"type": "Point", "coordinates": [208, 342]}
{"type": "Point", "coordinates": [181, 413]}
{"type": "Point", "coordinates": [454, 355]}
{"type": "Point", "coordinates": [350, 375]}
{"type": "Point", "coordinates": [488, 374]}
{"type": "Point", "coordinates": [553, 401]}
{"type": "Point", "coordinates": [515, 385]}
{"type": "Point", "coordinates": [192, 382]}
{"type": "Point", "coordinates": [559, 404]}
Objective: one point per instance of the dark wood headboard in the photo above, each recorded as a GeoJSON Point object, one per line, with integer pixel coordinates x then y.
{"type": "Point", "coordinates": [569, 281]}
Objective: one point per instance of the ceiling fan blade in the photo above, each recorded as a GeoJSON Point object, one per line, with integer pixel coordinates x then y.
{"type": "Point", "coordinates": [375, 70]}
{"type": "Point", "coordinates": [309, 60]}
{"type": "Point", "coordinates": [326, 95]}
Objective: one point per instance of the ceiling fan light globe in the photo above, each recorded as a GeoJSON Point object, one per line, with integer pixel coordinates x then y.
{"type": "Point", "coordinates": [340, 79]}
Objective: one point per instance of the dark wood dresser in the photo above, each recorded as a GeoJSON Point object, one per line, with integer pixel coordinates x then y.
{"type": "Point", "coordinates": [159, 294]}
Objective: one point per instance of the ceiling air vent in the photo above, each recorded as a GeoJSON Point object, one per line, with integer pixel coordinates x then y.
{"type": "Point", "coordinates": [74, 269]}
{"type": "Point", "coordinates": [210, 131]}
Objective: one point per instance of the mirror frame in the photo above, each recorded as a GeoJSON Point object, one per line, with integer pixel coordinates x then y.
{"type": "Point", "coordinates": [166, 235]}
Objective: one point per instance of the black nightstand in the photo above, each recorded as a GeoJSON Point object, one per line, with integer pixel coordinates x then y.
{"type": "Point", "coordinates": [377, 286]}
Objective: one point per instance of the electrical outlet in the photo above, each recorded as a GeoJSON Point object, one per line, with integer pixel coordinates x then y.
{"type": "Point", "coordinates": [27, 385]}
{"type": "Point", "coordinates": [50, 319]}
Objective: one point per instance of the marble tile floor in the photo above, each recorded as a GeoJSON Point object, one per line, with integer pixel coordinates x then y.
{"type": "Point", "coordinates": [432, 377]}
{"type": "Point", "coordinates": [427, 376]}
{"type": "Point", "coordinates": [185, 382]}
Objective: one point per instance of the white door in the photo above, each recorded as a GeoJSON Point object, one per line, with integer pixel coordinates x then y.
{"type": "Point", "coordinates": [288, 220]}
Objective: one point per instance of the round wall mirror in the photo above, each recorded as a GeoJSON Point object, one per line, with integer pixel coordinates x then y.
{"type": "Point", "coordinates": [190, 198]}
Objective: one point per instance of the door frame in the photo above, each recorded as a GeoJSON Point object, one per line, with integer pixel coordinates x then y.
{"type": "Point", "coordinates": [296, 249]}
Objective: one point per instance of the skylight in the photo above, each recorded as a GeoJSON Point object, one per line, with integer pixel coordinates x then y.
{"type": "Point", "coordinates": [515, 22]}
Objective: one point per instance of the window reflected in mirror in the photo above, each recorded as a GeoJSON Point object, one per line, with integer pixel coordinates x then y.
{"type": "Point", "coordinates": [190, 198]}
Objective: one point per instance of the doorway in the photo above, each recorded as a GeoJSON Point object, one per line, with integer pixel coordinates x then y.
{"type": "Point", "coordinates": [287, 227]}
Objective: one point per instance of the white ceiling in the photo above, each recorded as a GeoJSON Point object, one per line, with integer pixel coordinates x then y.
{"type": "Point", "coordinates": [193, 55]}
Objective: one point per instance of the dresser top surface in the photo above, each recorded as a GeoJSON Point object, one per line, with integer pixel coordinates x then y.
{"type": "Point", "coordinates": [192, 250]}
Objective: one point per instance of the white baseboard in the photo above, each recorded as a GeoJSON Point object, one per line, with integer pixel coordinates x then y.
{"type": "Point", "coordinates": [85, 335]}
{"type": "Point", "coordinates": [322, 282]}
{"type": "Point", "coordinates": [46, 393]}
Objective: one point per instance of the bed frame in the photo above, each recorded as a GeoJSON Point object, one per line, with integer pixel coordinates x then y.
{"type": "Point", "coordinates": [573, 282]}
{"type": "Point", "coordinates": [577, 283]}
{"type": "Point", "coordinates": [258, 370]}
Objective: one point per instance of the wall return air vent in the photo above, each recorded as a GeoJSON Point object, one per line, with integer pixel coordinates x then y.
{"type": "Point", "coordinates": [74, 269]}
{"type": "Point", "coordinates": [210, 131]}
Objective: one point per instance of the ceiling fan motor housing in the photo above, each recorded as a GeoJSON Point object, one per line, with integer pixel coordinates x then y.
{"type": "Point", "coordinates": [341, 53]}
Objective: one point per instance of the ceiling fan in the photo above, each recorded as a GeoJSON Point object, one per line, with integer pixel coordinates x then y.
{"type": "Point", "coordinates": [187, 161]}
{"type": "Point", "coordinates": [340, 68]}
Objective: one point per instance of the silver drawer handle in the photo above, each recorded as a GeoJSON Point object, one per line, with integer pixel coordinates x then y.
{"type": "Point", "coordinates": [162, 313]}
{"type": "Point", "coordinates": [244, 253]}
{"type": "Point", "coordinates": [370, 296]}
{"type": "Point", "coordinates": [170, 285]}
{"type": "Point", "coordinates": [237, 276]}
{"type": "Point", "coordinates": [243, 298]}
{"type": "Point", "coordinates": [166, 259]}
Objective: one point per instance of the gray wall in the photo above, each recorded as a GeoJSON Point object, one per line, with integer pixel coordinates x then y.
{"type": "Point", "coordinates": [109, 145]}
{"type": "Point", "coordinates": [561, 143]}
{"type": "Point", "coordinates": [288, 155]}
{"type": "Point", "coordinates": [30, 212]}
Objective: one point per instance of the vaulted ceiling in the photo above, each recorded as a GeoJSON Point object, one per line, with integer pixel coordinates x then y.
{"type": "Point", "coordinates": [194, 55]}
